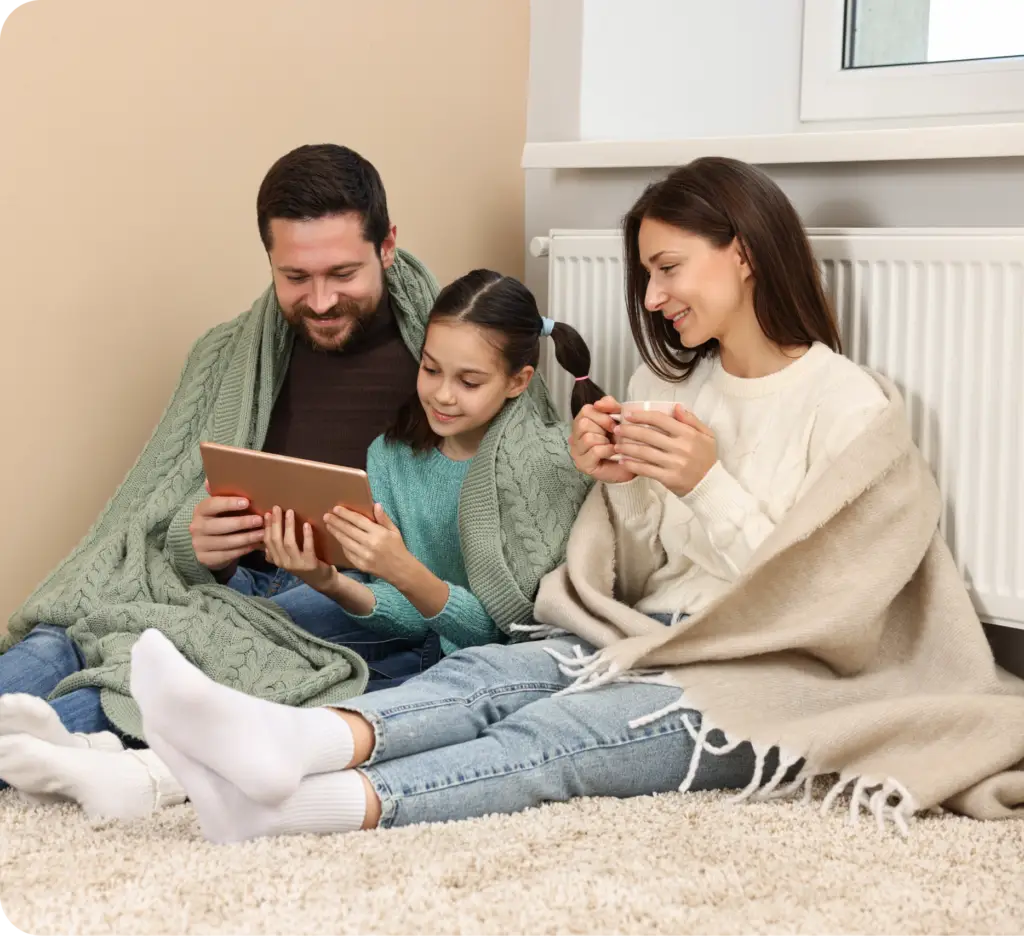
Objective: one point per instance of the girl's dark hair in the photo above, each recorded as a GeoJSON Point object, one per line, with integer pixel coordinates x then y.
{"type": "Point", "coordinates": [720, 200]}
{"type": "Point", "coordinates": [321, 180]}
{"type": "Point", "coordinates": [507, 309]}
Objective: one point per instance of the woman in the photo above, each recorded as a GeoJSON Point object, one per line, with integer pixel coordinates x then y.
{"type": "Point", "coordinates": [760, 569]}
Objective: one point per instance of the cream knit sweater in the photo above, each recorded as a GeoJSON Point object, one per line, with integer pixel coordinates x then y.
{"type": "Point", "coordinates": [776, 436]}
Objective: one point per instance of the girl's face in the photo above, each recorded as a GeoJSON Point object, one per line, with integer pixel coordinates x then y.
{"type": "Point", "coordinates": [463, 382]}
{"type": "Point", "coordinates": [703, 290]}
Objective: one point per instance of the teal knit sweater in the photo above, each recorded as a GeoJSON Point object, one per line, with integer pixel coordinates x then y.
{"type": "Point", "coordinates": [420, 492]}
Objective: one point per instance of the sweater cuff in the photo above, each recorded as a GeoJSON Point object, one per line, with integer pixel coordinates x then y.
{"type": "Point", "coordinates": [460, 605]}
{"type": "Point", "coordinates": [387, 605]}
{"type": "Point", "coordinates": [630, 498]}
{"type": "Point", "coordinates": [719, 498]}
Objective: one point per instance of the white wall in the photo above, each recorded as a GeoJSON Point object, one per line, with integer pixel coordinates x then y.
{"type": "Point", "coordinates": [672, 69]}
{"type": "Point", "coordinates": [650, 72]}
{"type": "Point", "coordinates": [683, 69]}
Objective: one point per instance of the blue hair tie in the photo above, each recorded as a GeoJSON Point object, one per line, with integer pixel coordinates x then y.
{"type": "Point", "coordinates": [547, 326]}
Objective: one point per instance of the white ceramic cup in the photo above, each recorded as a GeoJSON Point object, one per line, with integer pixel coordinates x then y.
{"type": "Point", "coordinates": [637, 406]}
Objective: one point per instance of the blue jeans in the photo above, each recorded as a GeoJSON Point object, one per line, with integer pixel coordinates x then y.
{"type": "Point", "coordinates": [392, 660]}
{"type": "Point", "coordinates": [40, 661]}
{"type": "Point", "coordinates": [482, 732]}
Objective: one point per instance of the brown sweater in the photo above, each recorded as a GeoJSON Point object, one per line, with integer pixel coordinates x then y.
{"type": "Point", "coordinates": [333, 404]}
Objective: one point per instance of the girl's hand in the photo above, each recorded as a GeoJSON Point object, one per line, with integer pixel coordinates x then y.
{"type": "Point", "coordinates": [591, 444]}
{"type": "Point", "coordinates": [679, 455]}
{"type": "Point", "coordinates": [372, 546]}
{"type": "Point", "coordinates": [282, 549]}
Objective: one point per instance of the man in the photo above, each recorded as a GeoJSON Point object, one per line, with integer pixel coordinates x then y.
{"type": "Point", "coordinates": [315, 369]}
{"type": "Point", "coordinates": [323, 218]}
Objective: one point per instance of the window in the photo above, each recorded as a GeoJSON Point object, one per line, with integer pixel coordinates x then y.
{"type": "Point", "coordinates": [869, 59]}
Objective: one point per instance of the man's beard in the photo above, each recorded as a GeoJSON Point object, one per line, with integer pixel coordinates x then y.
{"type": "Point", "coordinates": [343, 321]}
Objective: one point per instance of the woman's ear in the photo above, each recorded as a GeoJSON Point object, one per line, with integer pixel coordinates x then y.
{"type": "Point", "coordinates": [519, 382]}
{"type": "Point", "coordinates": [742, 255]}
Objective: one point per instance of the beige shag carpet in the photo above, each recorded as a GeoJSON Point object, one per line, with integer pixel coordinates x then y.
{"type": "Point", "coordinates": [667, 864]}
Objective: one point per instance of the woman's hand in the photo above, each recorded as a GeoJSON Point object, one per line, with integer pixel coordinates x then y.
{"type": "Point", "coordinates": [591, 444]}
{"type": "Point", "coordinates": [679, 455]}
{"type": "Point", "coordinates": [372, 546]}
{"type": "Point", "coordinates": [283, 549]}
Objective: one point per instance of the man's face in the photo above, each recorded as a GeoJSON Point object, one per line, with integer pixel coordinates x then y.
{"type": "Point", "coordinates": [328, 278]}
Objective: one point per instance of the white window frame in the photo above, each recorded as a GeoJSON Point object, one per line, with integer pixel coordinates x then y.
{"type": "Point", "coordinates": [830, 92]}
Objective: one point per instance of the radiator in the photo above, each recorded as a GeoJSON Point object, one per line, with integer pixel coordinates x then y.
{"type": "Point", "coordinates": [939, 311]}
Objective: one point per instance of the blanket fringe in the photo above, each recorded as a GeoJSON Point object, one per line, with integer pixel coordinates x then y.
{"type": "Point", "coordinates": [888, 800]}
{"type": "Point", "coordinates": [538, 631]}
{"type": "Point", "coordinates": [588, 671]}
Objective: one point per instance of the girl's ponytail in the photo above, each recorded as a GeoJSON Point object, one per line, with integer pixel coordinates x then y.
{"type": "Point", "coordinates": [572, 353]}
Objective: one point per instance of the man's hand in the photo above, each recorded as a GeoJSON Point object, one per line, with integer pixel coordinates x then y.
{"type": "Point", "coordinates": [219, 540]}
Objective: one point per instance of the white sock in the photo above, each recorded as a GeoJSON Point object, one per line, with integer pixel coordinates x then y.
{"type": "Point", "coordinates": [323, 804]}
{"type": "Point", "coordinates": [263, 748]}
{"type": "Point", "coordinates": [126, 784]}
{"type": "Point", "coordinates": [27, 714]}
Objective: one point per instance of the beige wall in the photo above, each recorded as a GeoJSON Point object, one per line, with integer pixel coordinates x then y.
{"type": "Point", "coordinates": [134, 137]}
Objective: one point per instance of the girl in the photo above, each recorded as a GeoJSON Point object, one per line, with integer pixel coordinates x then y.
{"type": "Point", "coordinates": [476, 495]}
{"type": "Point", "coordinates": [480, 353]}
{"type": "Point", "coordinates": [769, 547]}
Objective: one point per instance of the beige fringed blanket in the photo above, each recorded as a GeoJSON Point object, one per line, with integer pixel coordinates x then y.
{"type": "Point", "coordinates": [850, 643]}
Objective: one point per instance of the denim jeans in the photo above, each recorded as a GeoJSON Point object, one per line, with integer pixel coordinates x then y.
{"type": "Point", "coordinates": [40, 661]}
{"type": "Point", "coordinates": [482, 732]}
{"type": "Point", "coordinates": [391, 660]}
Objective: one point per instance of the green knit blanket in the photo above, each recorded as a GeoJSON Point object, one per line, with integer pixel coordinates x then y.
{"type": "Point", "coordinates": [518, 504]}
{"type": "Point", "coordinates": [136, 568]}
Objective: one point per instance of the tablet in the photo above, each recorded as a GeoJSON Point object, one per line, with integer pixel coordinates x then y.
{"type": "Point", "coordinates": [310, 488]}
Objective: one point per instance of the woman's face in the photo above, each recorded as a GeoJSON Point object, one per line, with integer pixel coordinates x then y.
{"type": "Point", "coordinates": [703, 290]}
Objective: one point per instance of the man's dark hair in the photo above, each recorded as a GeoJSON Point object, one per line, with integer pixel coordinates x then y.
{"type": "Point", "coordinates": [320, 180]}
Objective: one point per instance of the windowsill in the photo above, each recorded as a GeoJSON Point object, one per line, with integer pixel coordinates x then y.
{"type": "Point", "coordinates": [964, 141]}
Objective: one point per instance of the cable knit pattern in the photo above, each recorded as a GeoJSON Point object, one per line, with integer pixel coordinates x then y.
{"type": "Point", "coordinates": [776, 436]}
{"type": "Point", "coordinates": [136, 568]}
{"type": "Point", "coordinates": [519, 501]}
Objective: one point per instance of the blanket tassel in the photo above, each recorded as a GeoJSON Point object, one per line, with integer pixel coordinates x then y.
{"type": "Point", "coordinates": [877, 802]}
{"type": "Point", "coordinates": [538, 631]}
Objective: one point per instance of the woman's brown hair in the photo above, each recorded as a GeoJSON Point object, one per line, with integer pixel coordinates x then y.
{"type": "Point", "coordinates": [721, 200]}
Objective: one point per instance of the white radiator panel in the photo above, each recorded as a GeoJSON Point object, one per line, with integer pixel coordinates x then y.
{"type": "Point", "coordinates": [939, 311]}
